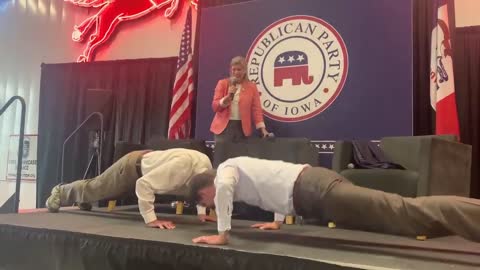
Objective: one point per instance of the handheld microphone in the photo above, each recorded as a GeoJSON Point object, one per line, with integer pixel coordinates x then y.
{"type": "Point", "coordinates": [233, 81]}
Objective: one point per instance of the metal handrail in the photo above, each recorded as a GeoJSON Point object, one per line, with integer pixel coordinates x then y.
{"type": "Point", "coordinates": [100, 116]}
{"type": "Point", "coordinates": [16, 201]}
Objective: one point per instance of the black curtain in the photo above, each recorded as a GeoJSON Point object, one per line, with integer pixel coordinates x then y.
{"type": "Point", "coordinates": [141, 94]}
{"type": "Point", "coordinates": [467, 89]}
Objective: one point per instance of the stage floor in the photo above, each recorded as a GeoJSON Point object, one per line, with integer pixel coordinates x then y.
{"type": "Point", "coordinates": [70, 233]}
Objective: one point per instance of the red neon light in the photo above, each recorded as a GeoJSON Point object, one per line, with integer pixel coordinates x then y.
{"type": "Point", "coordinates": [194, 4]}
{"type": "Point", "coordinates": [111, 13]}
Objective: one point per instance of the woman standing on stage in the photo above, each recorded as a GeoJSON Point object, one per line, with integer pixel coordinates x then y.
{"type": "Point", "coordinates": [236, 102]}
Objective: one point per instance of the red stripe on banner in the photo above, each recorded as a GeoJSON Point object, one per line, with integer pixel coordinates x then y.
{"type": "Point", "coordinates": [185, 99]}
{"type": "Point", "coordinates": [447, 119]}
{"type": "Point", "coordinates": [179, 80]}
{"type": "Point", "coordinates": [181, 97]}
{"type": "Point", "coordinates": [179, 125]}
{"type": "Point", "coordinates": [184, 117]}
{"type": "Point", "coordinates": [179, 102]}
{"type": "Point", "coordinates": [178, 83]}
{"type": "Point", "coordinates": [178, 86]}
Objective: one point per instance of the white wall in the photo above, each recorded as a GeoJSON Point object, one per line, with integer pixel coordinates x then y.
{"type": "Point", "coordinates": [467, 12]}
{"type": "Point", "coordinates": [39, 31]}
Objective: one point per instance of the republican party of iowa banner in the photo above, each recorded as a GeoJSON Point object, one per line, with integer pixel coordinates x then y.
{"type": "Point", "coordinates": [325, 69]}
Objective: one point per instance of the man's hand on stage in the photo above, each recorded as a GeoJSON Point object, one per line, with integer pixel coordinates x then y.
{"type": "Point", "coordinates": [218, 239]}
{"type": "Point", "coordinates": [162, 224]}
{"type": "Point", "coordinates": [267, 226]}
{"type": "Point", "coordinates": [205, 218]}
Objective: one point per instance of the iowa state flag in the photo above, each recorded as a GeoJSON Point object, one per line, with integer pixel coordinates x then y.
{"type": "Point", "coordinates": [442, 86]}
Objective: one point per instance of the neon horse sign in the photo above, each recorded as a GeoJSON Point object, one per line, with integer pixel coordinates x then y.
{"type": "Point", "coordinates": [112, 13]}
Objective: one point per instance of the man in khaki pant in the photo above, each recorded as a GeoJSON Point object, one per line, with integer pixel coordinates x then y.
{"type": "Point", "coordinates": [146, 172]}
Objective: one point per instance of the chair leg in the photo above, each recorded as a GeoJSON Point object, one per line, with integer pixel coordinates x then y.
{"type": "Point", "coordinates": [289, 220]}
{"type": "Point", "coordinates": [332, 225]}
{"type": "Point", "coordinates": [111, 205]}
{"type": "Point", "coordinates": [421, 237]}
{"type": "Point", "coordinates": [179, 208]}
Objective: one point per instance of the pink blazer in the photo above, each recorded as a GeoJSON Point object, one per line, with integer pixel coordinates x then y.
{"type": "Point", "coordinates": [249, 107]}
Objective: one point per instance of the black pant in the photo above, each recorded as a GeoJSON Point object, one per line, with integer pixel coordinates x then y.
{"type": "Point", "coordinates": [232, 133]}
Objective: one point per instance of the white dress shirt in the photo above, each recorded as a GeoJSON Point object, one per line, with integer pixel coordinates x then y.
{"type": "Point", "coordinates": [234, 109]}
{"type": "Point", "coordinates": [267, 184]}
{"type": "Point", "coordinates": [167, 172]}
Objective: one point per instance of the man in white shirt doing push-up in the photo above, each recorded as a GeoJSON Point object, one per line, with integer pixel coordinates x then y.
{"type": "Point", "coordinates": [316, 192]}
{"type": "Point", "coordinates": [147, 172]}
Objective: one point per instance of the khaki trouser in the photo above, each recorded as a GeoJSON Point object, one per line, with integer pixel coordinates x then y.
{"type": "Point", "coordinates": [119, 179]}
{"type": "Point", "coordinates": [324, 194]}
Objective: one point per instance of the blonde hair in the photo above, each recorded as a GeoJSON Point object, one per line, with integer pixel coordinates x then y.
{"type": "Point", "coordinates": [240, 61]}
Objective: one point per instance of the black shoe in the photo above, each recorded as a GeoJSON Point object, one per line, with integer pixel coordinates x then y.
{"type": "Point", "coordinates": [85, 206]}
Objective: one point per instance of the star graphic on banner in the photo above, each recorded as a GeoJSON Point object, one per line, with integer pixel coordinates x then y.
{"type": "Point", "coordinates": [291, 59]}
{"type": "Point", "coordinates": [281, 60]}
{"type": "Point", "coordinates": [300, 58]}
{"type": "Point", "coordinates": [324, 146]}
{"type": "Point", "coordinates": [331, 146]}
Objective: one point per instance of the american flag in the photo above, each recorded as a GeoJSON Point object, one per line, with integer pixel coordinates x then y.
{"type": "Point", "coordinates": [183, 93]}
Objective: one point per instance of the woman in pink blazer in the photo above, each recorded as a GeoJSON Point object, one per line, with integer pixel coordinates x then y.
{"type": "Point", "coordinates": [236, 102]}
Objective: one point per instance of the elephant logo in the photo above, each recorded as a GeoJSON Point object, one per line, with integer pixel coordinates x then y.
{"type": "Point", "coordinates": [291, 65]}
{"type": "Point", "coordinates": [300, 64]}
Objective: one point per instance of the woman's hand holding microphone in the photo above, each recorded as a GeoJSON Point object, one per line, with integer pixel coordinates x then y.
{"type": "Point", "coordinates": [232, 89]}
